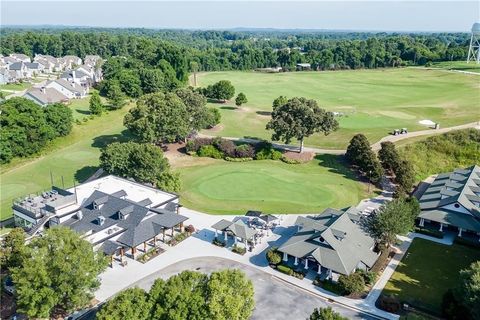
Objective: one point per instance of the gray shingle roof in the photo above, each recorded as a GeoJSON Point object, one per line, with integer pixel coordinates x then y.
{"type": "Point", "coordinates": [139, 222]}
{"type": "Point", "coordinates": [449, 194]}
{"type": "Point", "coordinates": [238, 228]}
{"type": "Point", "coordinates": [333, 239]}
{"type": "Point", "coordinates": [16, 66]}
{"type": "Point", "coordinates": [45, 95]}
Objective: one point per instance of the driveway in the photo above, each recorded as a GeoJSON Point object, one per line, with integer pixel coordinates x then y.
{"type": "Point", "coordinates": [275, 299]}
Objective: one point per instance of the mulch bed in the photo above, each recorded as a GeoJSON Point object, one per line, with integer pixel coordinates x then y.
{"type": "Point", "coordinates": [8, 306]}
{"type": "Point", "coordinates": [302, 157]}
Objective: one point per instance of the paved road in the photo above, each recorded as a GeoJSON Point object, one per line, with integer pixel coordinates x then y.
{"type": "Point", "coordinates": [275, 299]}
{"type": "Point", "coordinates": [375, 146]}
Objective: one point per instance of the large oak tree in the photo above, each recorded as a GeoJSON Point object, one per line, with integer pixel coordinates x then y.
{"type": "Point", "coordinates": [299, 118]}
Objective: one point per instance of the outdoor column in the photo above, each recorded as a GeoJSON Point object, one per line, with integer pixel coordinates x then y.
{"type": "Point", "coordinates": [306, 263]}
{"type": "Point", "coordinates": [296, 261]}
{"type": "Point", "coordinates": [216, 233]}
{"type": "Point", "coordinates": [235, 239]}
{"type": "Point", "coordinates": [225, 235]}
{"type": "Point", "coordinates": [422, 222]}
{"type": "Point", "coordinates": [155, 241]}
{"type": "Point", "coordinates": [285, 256]}
{"type": "Point", "coordinates": [145, 246]}
{"type": "Point", "coordinates": [441, 227]}
{"type": "Point", "coordinates": [245, 241]}
{"type": "Point", "coordinates": [163, 232]}
{"type": "Point", "coordinates": [460, 232]}
{"type": "Point", "coordinates": [111, 261]}
{"type": "Point", "coordinates": [319, 268]}
{"type": "Point", "coordinates": [330, 273]}
{"type": "Point", "coordinates": [172, 232]}
{"type": "Point", "coordinates": [121, 255]}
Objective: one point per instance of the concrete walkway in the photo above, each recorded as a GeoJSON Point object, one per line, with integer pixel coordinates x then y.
{"type": "Point", "coordinates": [375, 146]}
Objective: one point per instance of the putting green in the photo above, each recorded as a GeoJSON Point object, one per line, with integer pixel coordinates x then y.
{"type": "Point", "coordinates": [373, 102]}
{"type": "Point", "coordinates": [270, 186]}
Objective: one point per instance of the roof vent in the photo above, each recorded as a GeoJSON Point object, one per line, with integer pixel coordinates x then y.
{"type": "Point", "coordinates": [101, 220]}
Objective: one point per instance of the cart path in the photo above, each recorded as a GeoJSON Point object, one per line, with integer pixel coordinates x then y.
{"type": "Point", "coordinates": [375, 146]}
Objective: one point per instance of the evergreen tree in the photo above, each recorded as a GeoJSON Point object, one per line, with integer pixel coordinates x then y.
{"type": "Point", "coordinates": [95, 104]}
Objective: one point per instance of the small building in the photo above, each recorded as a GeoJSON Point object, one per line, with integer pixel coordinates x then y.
{"type": "Point", "coordinates": [71, 61]}
{"type": "Point", "coordinates": [34, 68]}
{"type": "Point", "coordinates": [332, 242]}
{"type": "Point", "coordinates": [452, 202]}
{"type": "Point", "coordinates": [45, 96]}
{"type": "Point", "coordinates": [304, 66]}
{"type": "Point", "coordinates": [20, 70]}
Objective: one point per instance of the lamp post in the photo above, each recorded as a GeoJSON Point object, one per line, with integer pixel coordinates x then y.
{"type": "Point", "coordinates": [369, 180]}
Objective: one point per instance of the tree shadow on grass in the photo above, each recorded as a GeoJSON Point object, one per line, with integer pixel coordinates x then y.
{"type": "Point", "coordinates": [85, 112]}
{"type": "Point", "coordinates": [338, 164]}
{"type": "Point", "coordinates": [105, 140]}
{"type": "Point", "coordinates": [264, 113]}
{"type": "Point", "coordinates": [84, 173]}
{"type": "Point", "coordinates": [228, 108]}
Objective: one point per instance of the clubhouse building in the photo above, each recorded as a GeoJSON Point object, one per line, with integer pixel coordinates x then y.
{"type": "Point", "coordinates": [452, 202]}
{"type": "Point", "coordinates": [116, 215]}
{"type": "Point", "coordinates": [332, 242]}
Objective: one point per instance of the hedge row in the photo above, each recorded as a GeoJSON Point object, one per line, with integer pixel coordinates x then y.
{"type": "Point", "coordinates": [219, 148]}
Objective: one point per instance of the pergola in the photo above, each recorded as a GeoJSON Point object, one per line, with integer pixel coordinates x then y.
{"type": "Point", "coordinates": [239, 229]}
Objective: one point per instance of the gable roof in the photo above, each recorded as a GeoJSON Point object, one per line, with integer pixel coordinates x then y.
{"type": "Point", "coordinates": [460, 188]}
{"type": "Point", "coordinates": [45, 95]}
{"type": "Point", "coordinates": [238, 228]}
{"type": "Point", "coordinates": [16, 65]}
{"type": "Point", "coordinates": [74, 88]}
{"type": "Point", "coordinates": [333, 239]}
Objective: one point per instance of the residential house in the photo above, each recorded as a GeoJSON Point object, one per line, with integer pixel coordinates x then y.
{"type": "Point", "coordinates": [114, 214]}
{"type": "Point", "coordinates": [69, 89]}
{"type": "Point", "coordinates": [5, 76]}
{"type": "Point", "coordinates": [20, 70]}
{"type": "Point", "coordinates": [9, 60]}
{"type": "Point", "coordinates": [91, 60]}
{"type": "Point", "coordinates": [47, 61]}
{"type": "Point", "coordinates": [71, 61]}
{"type": "Point", "coordinates": [77, 76]}
{"type": "Point", "coordinates": [44, 96]}
{"type": "Point", "coordinates": [333, 242]}
{"type": "Point", "coordinates": [34, 68]}
{"type": "Point", "coordinates": [20, 57]}
{"type": "Point", "coordinates": [452, 202]}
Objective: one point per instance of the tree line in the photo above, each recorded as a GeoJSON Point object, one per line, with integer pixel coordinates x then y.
{"type": "Point", "coordinates": [228, 50]}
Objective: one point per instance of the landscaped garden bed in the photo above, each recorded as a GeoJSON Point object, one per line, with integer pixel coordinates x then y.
{"type": "Point", "coordinates": [179, 237]}
{"type": "Point", "coordinates": [429, 232]}
{"type": "Point", "coordinates": [239, 250]}
{"type": "Point", "coordinates": [150, 254]}
{"type": "Point", "coordinates": [218, 242]}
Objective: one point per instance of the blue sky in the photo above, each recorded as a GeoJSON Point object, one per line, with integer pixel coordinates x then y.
{"type": "Point", "coordinates": [333, 15]}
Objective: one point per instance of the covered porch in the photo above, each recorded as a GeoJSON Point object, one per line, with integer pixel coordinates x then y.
{"type": "Point", "coordinates": [238, 230]}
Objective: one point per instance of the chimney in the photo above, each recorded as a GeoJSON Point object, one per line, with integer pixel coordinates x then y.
{"type": "Point", "coordinates": [44, 90]}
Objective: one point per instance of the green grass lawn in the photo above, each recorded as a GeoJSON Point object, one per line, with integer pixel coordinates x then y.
{"type": "Point", "coordinates": [15, 86]}
{"type": "Point", "coordinates": [427, 271]}
{"type": "Point", "coordinates": [74, 157]}
{"type": "Point", "coordinates": [224, 187]}
{"type": "Point", "coordinates": [458, 65]}
{"type": "Point", "coordinates": [373, 101]}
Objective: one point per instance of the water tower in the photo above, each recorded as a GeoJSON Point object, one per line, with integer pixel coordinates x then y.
{"type": "Point", "coordinates": [474, 50]}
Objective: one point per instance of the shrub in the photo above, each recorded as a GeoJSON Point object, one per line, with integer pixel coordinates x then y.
{"type": "Point", "coordinates": [389, 303]}
{"type": "Point", "coordinates": [213, 117]}
{"type": "Point", "coordinates": [466, 242]}
{"type": "Point", "coordinates": [244, 151]}
{"type": "Point", "coordinates": [190, 229]}
{"type": "Point", "coordinates": [78, 122]}
{"type": "Point", "coordinates": [194, 145]}
{"type": "Point", "coordinates": [351, 284]}
{"type": "Point", "coordinates": [225, 146]}
{"type": "Point", "coordinates": [239, 250]}
{"type": "Point", "coordinates": [368, 276]}
{"type": "Point", "coordinates": [268, 153]}
{"type": "Point", "coordinates": [273, 256]}
{"type": "Point", "coordinates": [218, 242]}
{"type": "Point", "coordinates": [238, 159]}
{"type": "Point", "coordinates": [285, 269]}
{"type": "Point", "coordinates": [289, 161]}
{"type": "Point", "coordinates": [209, 151]}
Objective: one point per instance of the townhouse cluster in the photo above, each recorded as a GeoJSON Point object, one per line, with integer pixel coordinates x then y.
{"type": "Point", "coordinates": [64, 78]}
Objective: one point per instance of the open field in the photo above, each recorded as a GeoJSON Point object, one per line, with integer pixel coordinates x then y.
{"type": "Point", "coordinates": [427, 271]}
{"type": "Point", "coordinates": [373, 101]}
{"type": "Point", "coordinates": [222, 187]}
{"type": "Point", "coordinates": [458, 65]}
{"type": "Point", "coordinates": [74, 157]}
